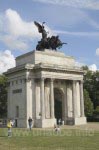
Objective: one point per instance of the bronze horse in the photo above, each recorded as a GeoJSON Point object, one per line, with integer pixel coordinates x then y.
{"type": "Point", "coordinates": [51, 43]}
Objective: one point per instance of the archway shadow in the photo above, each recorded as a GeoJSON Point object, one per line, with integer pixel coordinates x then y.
{"type": "Point", "coordinates": [58, 100]}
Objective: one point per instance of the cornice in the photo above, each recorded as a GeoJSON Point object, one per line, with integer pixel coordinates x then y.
{"type": "Point", "coordinates": [46, 67]}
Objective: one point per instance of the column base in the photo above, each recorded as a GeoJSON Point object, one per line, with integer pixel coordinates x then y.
{"type": "Point", "coordinates": [76, 121]}
{"type": "Point", "coordinates": [45, 123]}
{"type": "Point", "coordinates": [80, 121]}
{"type": "Point", "coordinates": [69, 121]}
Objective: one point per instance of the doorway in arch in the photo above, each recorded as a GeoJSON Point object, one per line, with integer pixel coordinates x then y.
{"type": "Point", "coordinates": [58, 100]}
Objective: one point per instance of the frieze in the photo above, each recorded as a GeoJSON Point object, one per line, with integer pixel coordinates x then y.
{"type": "Point", "coordinates": [58, 71]}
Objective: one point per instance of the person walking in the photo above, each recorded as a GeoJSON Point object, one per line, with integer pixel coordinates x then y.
{"type": "Point", "coordinates": [30, 121]}
{"type": "Point", "coordinates": [9, 126]}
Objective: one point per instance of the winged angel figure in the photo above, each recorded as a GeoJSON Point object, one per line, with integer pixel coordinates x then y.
{"type": "Point", "coordinates": [42, 30]}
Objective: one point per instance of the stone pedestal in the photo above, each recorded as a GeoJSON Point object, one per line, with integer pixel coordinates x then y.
{"type": "Point", "coordinates": [76, 121]}
{"type": "Point", "coordinates": [45, 123]}
{"type": "Point", "coordinates": [80, 121]}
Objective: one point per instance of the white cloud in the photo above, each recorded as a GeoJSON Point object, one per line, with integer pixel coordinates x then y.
{"type": "Point", "coordinates": [14, 43]}
{"type": "Point", "coordinates": [17, 33]}
{"type": "Point", "coordinates": [88, 34]}
{"type": "Point", "coordinates": [7, 60]}
{"type": "Point", "coordinates": [97, 51]}
{"type": "Point", "coordinates": [18, 27]}
{"type": "Point", "coordinates": [93, 67]}
{"type": "Point", "coordinates": [88, 4]}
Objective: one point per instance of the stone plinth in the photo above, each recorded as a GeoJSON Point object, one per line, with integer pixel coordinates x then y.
{"type": "Point", "coordinates": [45, 123]}
{"type": "Point", "coordinates": [47, 57]}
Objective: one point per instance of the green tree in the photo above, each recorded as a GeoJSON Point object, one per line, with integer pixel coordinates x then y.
{"type": "Point", "coordinates": [96, 111]}
{"type": "Point", "coordinates": [3, 96]}
{"type": "Point", "coordinates": [91, 84]}
{"type": "Point", "coordinates": [88, 105]}
{"type": "Point", "coordinates": [85, 68]}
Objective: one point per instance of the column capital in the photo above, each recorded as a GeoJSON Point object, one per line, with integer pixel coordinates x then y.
{"type": "Point", "coordinates": [33, 80]}
{"type": "Point", "coordinates": [74, 81]}
{"type": "Point", "coordinates": [52, 79]}
{"type": "Point", "coordinates": [81, 81]}
{"type": "Point", "coordinates": [42, 78]}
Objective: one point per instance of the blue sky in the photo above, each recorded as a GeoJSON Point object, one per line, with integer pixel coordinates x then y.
{"type": "Point", "coordinates": [75, 21]}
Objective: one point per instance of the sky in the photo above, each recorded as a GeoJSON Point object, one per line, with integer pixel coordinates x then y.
{"type": "Point", "coordinates": [75, 21]}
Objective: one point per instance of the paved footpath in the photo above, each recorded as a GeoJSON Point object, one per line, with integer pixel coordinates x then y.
{"type": "Point", "coordinates": [94, 126]}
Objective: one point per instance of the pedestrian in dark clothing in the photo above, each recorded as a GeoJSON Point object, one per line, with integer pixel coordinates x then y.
{"type": "Point", "coordinates": [30, 121]}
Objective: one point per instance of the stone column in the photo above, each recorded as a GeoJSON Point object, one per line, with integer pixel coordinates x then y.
{"type": "Point", "coordinates": [28, 98]}
{"type": "Point", "coordinates": [74, 100]}
{"type": "Point", "coordinates": [78, 98]}
{"type": "Point", "coordinates": [33, 99]}
{"type": "Point", "coordinates": [42, 98]}
{"type": "Point", "coordinates": [69, 100]}
{"type": "Point", "coordinates": [65, 104]}
{"type": "Point", "coordinates": [8, 100]}
{"type": "Point", "coordinates": [52, 98]}
{"type": "Point", "coordinates": [81, 99]}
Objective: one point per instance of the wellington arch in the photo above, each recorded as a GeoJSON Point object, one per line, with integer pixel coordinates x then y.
{"type": "Point", "coordinates": [45, 85]}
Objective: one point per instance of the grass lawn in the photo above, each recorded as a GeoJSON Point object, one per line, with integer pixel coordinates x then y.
{"type": "Point", "coordinates": [48, 139]}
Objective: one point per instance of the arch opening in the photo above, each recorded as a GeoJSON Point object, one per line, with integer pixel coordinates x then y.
{"type": "Point", "coordinates": [58, 104]}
